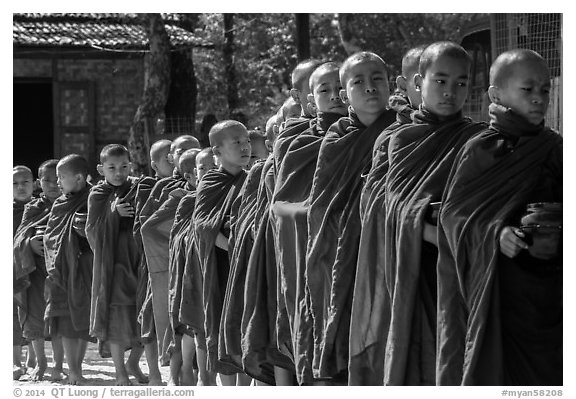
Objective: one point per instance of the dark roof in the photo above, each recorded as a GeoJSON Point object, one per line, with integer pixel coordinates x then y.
{"type": "Point", "coordinates": [99, 31]}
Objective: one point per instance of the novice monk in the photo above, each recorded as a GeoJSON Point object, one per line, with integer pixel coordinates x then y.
{"type": "Point", "coordinates": [162, 168]}
{"type": "Point", "coordinates": [116, 260]}
{"type": "Point", "coordinates": [157, 255]}
{"type": "Point", "coordinates": [241, 242]}
{"type": "Point", "coordinates": [333, 217]}
{"type": "Point", "coordinates": [163, 229]}
{"type": "Point", "coordinates": [290, 206]}
{"type": "Point", "coordinates": [211, 223]}
{"type": "Point", "coordinates": [69, 265]}
{"type": "Point", "coordinates": [367, 338]}
{"type": "Point", "coordinates": [23, 187]}
{"type": "Point", "coordinates": [500, 301]}
{"type": "Point", "coordinates": [30, 272]}
{"type": "Point", "coordinates": [191, 309]}
{"type": "Point", "coordinates": [420, 158]}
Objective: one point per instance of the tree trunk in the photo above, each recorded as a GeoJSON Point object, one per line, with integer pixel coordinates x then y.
{"type": "Point", "coordinates": [345, 28]}
{"type": "Point", "coordinates": [181, 103]}
{"type": "Point", "coordinates": [156, 86]}
{"type": "Point", "coordinates": [303, 36]}
{"type": "Point", "coordinates": [229, 68]}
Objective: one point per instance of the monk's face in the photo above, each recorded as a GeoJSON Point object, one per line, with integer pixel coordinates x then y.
{"type": "Point", "coordinates": [235, 148]}
{"type": "Point", "coordinates": [115, 169]}
{"type": "Point", "coordinates": [326, 91]}
{"type": "Point", "coordinates": [367, 88]}
{"type": "Point", "coordinates": [204, 163]}
{"type": "Point", "coordinates": [23, 185]}
{"type": "Point", "coordinates": [49, 183]}
{"type": "Point", "coordinates": [527, 91]}
{"type": "Point", "coordinates": [68, 181]}
{"type": "Point", "coordinates": [444, 87]}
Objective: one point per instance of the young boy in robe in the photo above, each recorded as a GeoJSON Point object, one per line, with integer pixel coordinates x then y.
{"type": "Point", "coordinates": [290, 206]}
{"type": "Point", "coordinates": [23, 187]}
{"type": "Point", "coordinates": [420, 158]}
{"type": "Point", "coordinates": [190, 309]}
{"type": "Point", "coordinates": [68, 261]}
{"type": "Point", "coordinates": [241, 242]}
{"type": "Point", "coordinates": [30, 272]}
{"type": "Point", "coordinates": [502, 323]}
{"type": "Point", "coordinates": [290, 109]}
{"type": "Point", "coordinates": [366, 336]}
{"type": "Point", "coordinates": [216, 193]}
{"type": "Point", "coordinates": [163, 228]}
{"type": "Point", "coordinates": [162, 168]}
{"type": "Point", "coordinates": [156, 255]}
{"type": "Point", "coordinates": [333, 217]}
{"type": "Point", "coordinates": [113, 318]}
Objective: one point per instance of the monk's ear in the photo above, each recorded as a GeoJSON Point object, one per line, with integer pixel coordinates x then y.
{"type": "Point", "coordinates": [311, 104]}
{"type": "Point", "coordinates": [494, 94]}
{"type": "Point", "coordinates": [190, 177]}
{"type": "Point", "coordinates": [154, 166]}
{"type": "Point", "coordinates": [100, 169]}
{"type": "Point", "coordinates": [401, 83]}
{"type": "Point", "coordinates": [268, 145]}
{"type": "Point", "coordinates": [195, 171]}
{"type": "Point", "coordinates": [295, 94]}
{"type": "Point", "coordinates": [216, 151]}
{"type": "Point", "coordinates": [344, 96]}
{"type": "Point", "coordinates": [170, 158]}
{"type": "Point", "coordinates": [418, 80]}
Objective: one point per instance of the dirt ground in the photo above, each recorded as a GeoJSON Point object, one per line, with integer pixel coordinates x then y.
{"type": "Point", "coordinates": [99, 372]}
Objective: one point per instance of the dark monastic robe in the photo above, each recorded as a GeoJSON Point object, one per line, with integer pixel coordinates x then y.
{"type": "Point", "coordinates": [113, 314]}
{"type": "Point", "coordinates": [216, 194]}
{"type": "Point", "coordinates": [30, 269]}
{"type": "Point", "coordinates": [499, 319]}
{"type": "Point", "coordinates": [69, 268]}
{"type": "Point", "coordinates": [18, 211]}
{"type": "Point", "coordinates": [259, 332]}
{"type": "Point", "coordinates": [290, 207]}
{"type": "Point", "coordinates": [241, 242]}
{"type": "Point", "coordinates": [334, 229]}
{"type": "Point", "coordinates": [367, 339]}
{"type": "Point", "coordinates": [420, 157]}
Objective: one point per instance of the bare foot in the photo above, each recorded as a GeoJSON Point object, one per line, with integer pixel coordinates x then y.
{"type": "Point", "coordinates": [38, 372]}
{"type": "Point", "coordinates": [18, 372]}
{"type": "Point", "coordinates": [57, 374]}
{"type": "Point", "coordinates": [75, 379]}
{"type": "Point", "coordinates": [137, 373]}
{"type": "Point", "coordinates": [123, 381]}
{"type": "Point", "coordinates": [172, 382]}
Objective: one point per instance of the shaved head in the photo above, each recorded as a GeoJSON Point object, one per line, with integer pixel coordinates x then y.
{"type": "Point", "coordinates": [46, 165]}
{"type": "Point", "coordinates": [219, 131]}
{"type": "Point", "coordinates": [442, 49]}
{"type": "Point", "coordinates": [359, 58]}
{"type": "Point", "coordinates": [411, 61]}
{"type": "Point", "coordinates": [301, 74]}
{"type": "Point", "coordinates": [159, 148]}
{"type": "Point", "coordinates": [502, 68]}
{"type": "Point", "coordinates": [21, 169]}
{"type": "Point", "coordinates": [188, 160]}
{"type": "Point", "coordinates": [74, 163]}
{"type": "Point", "coordinates": [322, 69]}
{"type": "Point", "coordinates": [184, 141]}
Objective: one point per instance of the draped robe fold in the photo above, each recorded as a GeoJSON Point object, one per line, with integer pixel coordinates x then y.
{"type": "Point", "coordinates": [30, 269]}
{"type": "Point", "coordinates": [367, 338]}
{"type": "Point", "coordinates": [334, 232]}
{"type": "Point", "coordinates": [216, 194]}
{"type": "Point", "coordinates": [241, 242]}
{"type": "Point", "coordinates": [258, 331]}
{"type": "Point", "coordinates": [499, 319]}
{"type": "Point", "coordinates": [289, 207]}
{"type": "Point", "coordinates": [113, 314]}
{"type": "Point", "coordinates": [68, 260]}
{"type": "Point", "coordinates": [420, 157]}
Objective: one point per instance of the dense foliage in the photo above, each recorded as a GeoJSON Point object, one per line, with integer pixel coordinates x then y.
{"type": "Point", "coordinates": [265, 51]}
